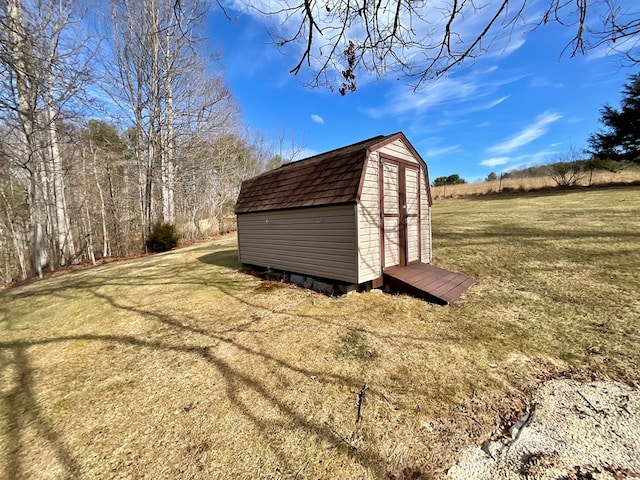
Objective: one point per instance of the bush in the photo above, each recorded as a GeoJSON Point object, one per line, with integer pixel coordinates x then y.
{"type": "Point", "coordinates": [454, 179]}
{"type": "Point", "coordinates": [162, 237]}
{"type": "Point", "coordinates": [491, 177]}
{"type": "Point", "coordinates": [566, 174]}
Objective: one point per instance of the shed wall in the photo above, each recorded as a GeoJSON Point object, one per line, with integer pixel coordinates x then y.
{"type": "Point", "coordinates": [369, 223]}
{"type": "Point", "coordinates": [425, 220]}
{"type": "Point", "coordinates": [398, 149]}
{"type": "Point", "coordinates": [318, 241]}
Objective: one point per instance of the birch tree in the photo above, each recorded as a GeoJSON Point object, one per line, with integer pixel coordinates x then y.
{"type": "Point", "coordinates": [43, 72]}
{"type": "Point", "coordinates": [155, 44]}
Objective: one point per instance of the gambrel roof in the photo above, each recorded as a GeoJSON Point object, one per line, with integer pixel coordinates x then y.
{"type": "Point", "coordinates": [330, 178]}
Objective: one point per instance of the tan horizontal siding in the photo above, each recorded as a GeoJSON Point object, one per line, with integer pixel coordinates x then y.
{"type": "Point", "coordinates": [399, 150]}
{"type": "Point", "coordinates": [411, 178]}
{"type": "Point", "coordinates": [391, 242]}
{"type": "Point", "coordinates": [425, 221]}
{"type": "Point", "coordinates": [390, 180]}
{"type": "Point", "coordinates": [318, 241]}
{"type": "Point", "coordinates": [369, 224]}
{"type": "Point", "coordinates": [413, 234]}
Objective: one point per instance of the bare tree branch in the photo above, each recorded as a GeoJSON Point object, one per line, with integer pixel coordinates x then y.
{"type": "Point", "coordinates": [421, 40]}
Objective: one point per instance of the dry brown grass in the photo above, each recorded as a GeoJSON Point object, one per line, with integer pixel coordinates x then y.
{"type": "Point", "coordinates": [531, 183]}
{"type": "Point", "coordinates": [179, 366]}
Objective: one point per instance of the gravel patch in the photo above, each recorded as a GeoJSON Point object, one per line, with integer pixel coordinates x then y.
{"type": "Point", "coordinates": [574, 430]}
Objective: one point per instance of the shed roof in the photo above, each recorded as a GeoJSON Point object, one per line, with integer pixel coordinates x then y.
{"type": "Point", "coordinates": [329, 178]}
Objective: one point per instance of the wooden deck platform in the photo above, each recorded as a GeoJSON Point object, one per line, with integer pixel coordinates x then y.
{"type": "Point", "coordinates": [428, 282]}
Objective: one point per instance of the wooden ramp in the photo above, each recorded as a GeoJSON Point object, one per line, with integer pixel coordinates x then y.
{"type": "Point", "coordinates": [428, 282]}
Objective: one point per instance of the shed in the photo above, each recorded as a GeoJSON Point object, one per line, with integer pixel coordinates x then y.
{"type": "Point", "coordinates": [348, 215]}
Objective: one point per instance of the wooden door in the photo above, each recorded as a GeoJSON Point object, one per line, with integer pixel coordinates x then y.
{"type": "Point", "coordinates": [400, 213]}
{"type": "Point", "coordinates": [411, 213]}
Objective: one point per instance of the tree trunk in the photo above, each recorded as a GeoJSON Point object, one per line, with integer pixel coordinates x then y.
{"type": "Point", "coordinates": [63, 239]}
{"type": "Point", "coordinates": [103, 209]}
{"type": "Point", "coordinates": [168, 170]}
{"type": "Point", "coordinates": [17, 238]}
{"type": "Point", "coordinates": [26, 101]}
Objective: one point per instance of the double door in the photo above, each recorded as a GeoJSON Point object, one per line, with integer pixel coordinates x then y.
{"type": "Point", "coordinates": [400, 212]}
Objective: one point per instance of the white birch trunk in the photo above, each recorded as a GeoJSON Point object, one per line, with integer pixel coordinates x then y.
{"type": "Point", "coordinates": [103, 210]}
{"type": "Point", "coordinates": [88, 225]}
{"type": "Point", "coordinates": [63, 237]}
{"type": "Point", "coordinates": [168, 181]}
{"type": "Point", "coordinates": [26, 101]}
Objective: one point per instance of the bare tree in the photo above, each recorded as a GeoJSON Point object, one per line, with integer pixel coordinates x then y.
{"type": "Point", "coordinates": [567, 170]}
{"type": "Point", "coordinates": [72, 190]}
{"type": "Point", "coordinates": [43, 72]}
{"type": "Point", "coordinates": [165, 92]}
{"type": "Point", "coordinates": [425, 39]}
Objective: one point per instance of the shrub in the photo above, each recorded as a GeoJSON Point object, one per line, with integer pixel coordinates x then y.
{"type": "Point", "coordinates": [454, 179]}
{"type": "Point", "coordinates": [162, 237]}
{"type": "Point", "coordinates": [566, 174]}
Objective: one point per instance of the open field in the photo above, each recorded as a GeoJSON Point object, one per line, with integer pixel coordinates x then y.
{"type": "Point", "coordinates": [525, 184]}
{"type": "Point", "coordinates": [179, 366]}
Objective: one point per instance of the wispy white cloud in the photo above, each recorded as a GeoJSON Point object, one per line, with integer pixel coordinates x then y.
{"type": "Point", "coordinates": [317, 118]}
{"type": "Point", "coordinates": [442, 91]}
{"type": "Point", "coordinates": [436, 152]}
{"type": "Point", "coordinates": [494, 103]}
{"type": "Point", "coordinates": [482, 107]}
{"type": "Point", "coordinates": [460, 96]}
{"type": "Point", "coordinates": [539, 82]}
{"type": "Point", "coordinates": [526, 135]}
{"type": "Point", "coordinates": [614, 50]}
{"type": "Point", "coordinates": [520, 161]}
{"type": "Point", "coordinates": [543, 156]}
{"type": "Point", "coordinates": [495, 161]}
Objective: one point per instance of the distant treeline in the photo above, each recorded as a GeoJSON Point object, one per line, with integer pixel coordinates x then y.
{"type": "Point", "coordinates": [585, 166]}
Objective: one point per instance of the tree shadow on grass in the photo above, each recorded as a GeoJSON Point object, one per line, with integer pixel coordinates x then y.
{"type": "Point", "coordinates": [237, 288]}
{"type": "Point", "coordinates": [23, 407]}
{"type": "Point", "coordinates": [222, 258]}
{"type": "Point", "coordinates": [292, 418]}
{"type": "Point", "coordinates": [24, 412]}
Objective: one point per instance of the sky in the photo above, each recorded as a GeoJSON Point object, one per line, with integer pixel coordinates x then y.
{"type": "Point", "coordinates": [524, 103]}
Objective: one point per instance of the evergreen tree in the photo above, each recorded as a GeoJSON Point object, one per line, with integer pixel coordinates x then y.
{"type": "Point", "coordinates": [620, 138]}
{"type": "Point", "coordinates": [454, 179]}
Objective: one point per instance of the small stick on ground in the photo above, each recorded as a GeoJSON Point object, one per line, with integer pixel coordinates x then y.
{"type": "Point", "coordinates": [360, 400]}
{"type": "Point", "coordinates": [336, 433]}
{"type": "Point", "coordinates": [302, 469]}
{"type": "Point", "coordinates": [595, 409]}
{"type": "Point", "coordinates": [470, 417]}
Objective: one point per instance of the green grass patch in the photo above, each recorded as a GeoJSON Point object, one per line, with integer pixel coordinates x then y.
{"type": "Point", "coordinates": [354, 346]}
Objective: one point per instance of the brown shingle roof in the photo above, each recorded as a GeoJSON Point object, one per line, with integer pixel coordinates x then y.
{"type": "Point", "coordinates": [329, 178]}
{"type": "Point", "coordinates": [326, 179]}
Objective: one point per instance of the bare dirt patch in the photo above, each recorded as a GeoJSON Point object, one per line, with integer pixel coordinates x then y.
{"type": "Point", "coordinates": [573, 431]}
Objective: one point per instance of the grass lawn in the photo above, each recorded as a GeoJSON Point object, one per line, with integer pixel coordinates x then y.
{"type": "Point", "coordinates": [179, 366]}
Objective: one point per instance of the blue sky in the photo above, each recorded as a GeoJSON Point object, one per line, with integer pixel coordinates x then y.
{"type": "Point", "coordinates": [522, 104]}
